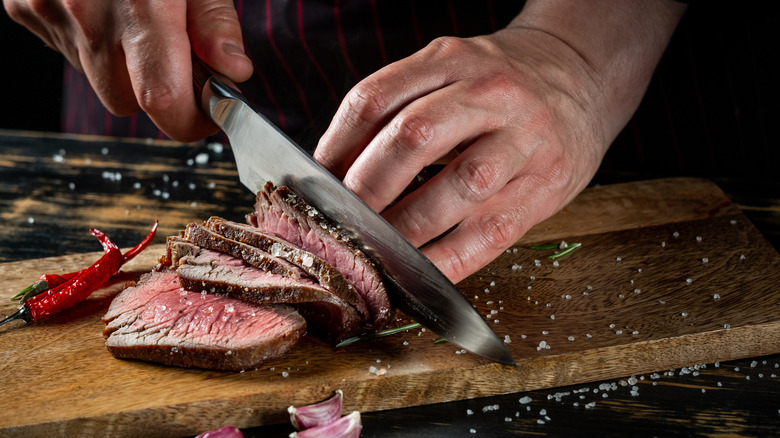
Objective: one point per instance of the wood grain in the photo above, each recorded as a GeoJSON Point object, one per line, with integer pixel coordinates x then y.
{"type": "Point", "coordinates": [639, 315]}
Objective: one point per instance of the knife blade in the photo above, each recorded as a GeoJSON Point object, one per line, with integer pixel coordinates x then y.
{"type": "Point", "coordinates": [264, 153]}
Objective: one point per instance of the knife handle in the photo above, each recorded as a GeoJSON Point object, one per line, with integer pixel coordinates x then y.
{"type": "Point", "coordinates": [203, 75]}
{"type": "Point", "coordinates": [200, 74]}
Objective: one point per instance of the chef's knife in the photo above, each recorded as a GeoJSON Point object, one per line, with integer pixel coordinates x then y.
{"type": "Point", "coordinates": [263, 153]}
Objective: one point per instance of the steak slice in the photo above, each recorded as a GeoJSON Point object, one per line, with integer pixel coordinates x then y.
{"type": "Point", "coordinates": [158, 321]}
{"type": "Point", "coordinates": [205, 238]}
{"type": "Point", "coordinates": [281, 213]}
{"type": "Point", "coordinates": [325, 274]}
{"type": "Point", "coordinates": [215, 272]}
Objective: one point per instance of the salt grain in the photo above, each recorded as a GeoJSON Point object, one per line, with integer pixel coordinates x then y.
{"type": "Point", "coordinates": [525, 400]}
{"type": "Point", "coordinates": [716, 297]}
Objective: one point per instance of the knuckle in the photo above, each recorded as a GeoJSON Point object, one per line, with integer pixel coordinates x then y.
{"type": "Point", "coordinates": [410, 224]}
{"type": "Point", "coordinates": [412, 132]}
{"type": "Point", "coordinates": [219, 11]}
{"type": "Point", "coordinates": [157, 99]}
{"type": "Point", "coordinates": [365, 103]}
{"type": "Point", "coordinates": [362, 188]}
{"type": "Point", "coordinates": [457, 262]}
{"type": "Point", "coordinates": [476, 178]}
{"type": "Point", "coordinates": [446, 46]}
{"type": "Point", "coordinates": [497, 230]}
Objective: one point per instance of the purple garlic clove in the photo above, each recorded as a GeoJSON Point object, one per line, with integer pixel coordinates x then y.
{"type": "Point", "coordinates": [318, 414]}
{"type": "Point", "coordinates": [222, 432]}
{"type": "Point", "coordinates": [348, 426]}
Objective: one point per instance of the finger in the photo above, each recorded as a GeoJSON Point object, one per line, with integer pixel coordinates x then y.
{"type": "Point", "coordinates": [461, 188]}
{"type": "Point", "coordinates": [37, 18]}
{"type": "Point", "coordinates": [100, 55]}
{"type": "Point", "coordinates": [422, 132]}
{"type": "Point", "coordinates": [495, 226]}
{"type": "Point", "coordinates": [215, 35]}
{"type": "Point", "coordinates": [159, 64]}
{"type": "Point", "coordinates": [374, 101]}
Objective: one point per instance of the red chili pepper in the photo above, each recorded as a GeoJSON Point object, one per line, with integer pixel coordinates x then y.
{"type": "Point", "coordinates": [79, 287]}
{"type": "Point", "coordinates": [132, 252]}
{"type": "Point", "coordinates": [66, 290]}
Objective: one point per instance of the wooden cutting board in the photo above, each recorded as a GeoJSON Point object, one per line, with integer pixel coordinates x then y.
{"type": "Point", "coordinates": [670, 274]}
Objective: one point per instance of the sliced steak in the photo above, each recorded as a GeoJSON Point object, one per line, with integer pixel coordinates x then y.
{"type": "Point", "coordinates": [325, 274]}
{"type": "Point", "coordinates": [281, 213]}
{"type": "Point", "coordinates": [158, 321]}
{"type": "Point", "coordinates": [205, 238]}
{"type": "Point", "coordinates": [219, 273]}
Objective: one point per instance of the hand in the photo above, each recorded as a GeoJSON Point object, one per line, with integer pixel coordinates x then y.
{"type": "Point", "coordinates": [527, 113]}
{"type": "Point", "coordinates": [136, 54]}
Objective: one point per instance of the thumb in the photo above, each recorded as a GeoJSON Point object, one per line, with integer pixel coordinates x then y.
{"type": "Point", "coordinates": [215, 36]}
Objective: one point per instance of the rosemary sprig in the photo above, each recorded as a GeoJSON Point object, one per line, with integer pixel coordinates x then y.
{"type": "Point", "coordinates": [566, 248]}
{"type": "Point", "coordinates": [570, 248]}
{"type": "Point", "coordinates": [388, 332]}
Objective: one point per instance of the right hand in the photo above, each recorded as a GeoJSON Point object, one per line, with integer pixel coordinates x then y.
{"type": "Point", "coordinates": [137, 54]}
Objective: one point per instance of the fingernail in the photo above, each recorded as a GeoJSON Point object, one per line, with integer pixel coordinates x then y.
{"type": "Point", "coordinates": [233, 48]}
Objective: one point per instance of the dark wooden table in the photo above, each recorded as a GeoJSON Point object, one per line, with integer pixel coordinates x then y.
{"type": "Point", "coordinates": [54, 187]}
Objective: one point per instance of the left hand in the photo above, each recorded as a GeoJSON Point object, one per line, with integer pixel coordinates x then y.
{"type": "Point", "coordinates": [526, 114]}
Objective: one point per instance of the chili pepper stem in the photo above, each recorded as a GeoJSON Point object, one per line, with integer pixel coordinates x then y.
{"type": "Point", "coordinates": [23, 313]}
{"type": "Point", "coordinates": [31, 290]}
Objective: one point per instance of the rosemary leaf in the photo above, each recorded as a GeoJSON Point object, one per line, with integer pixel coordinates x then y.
{"type": "Point", "coordinates": [570, 248]}
{"type": "Point", "coordinates": [546, 246]}
{"type": "Point", "coordinates": [388, 332]}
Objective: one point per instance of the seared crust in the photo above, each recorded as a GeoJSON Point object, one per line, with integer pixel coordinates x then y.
{"type": "Point", "coordinates": [281, 213]}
